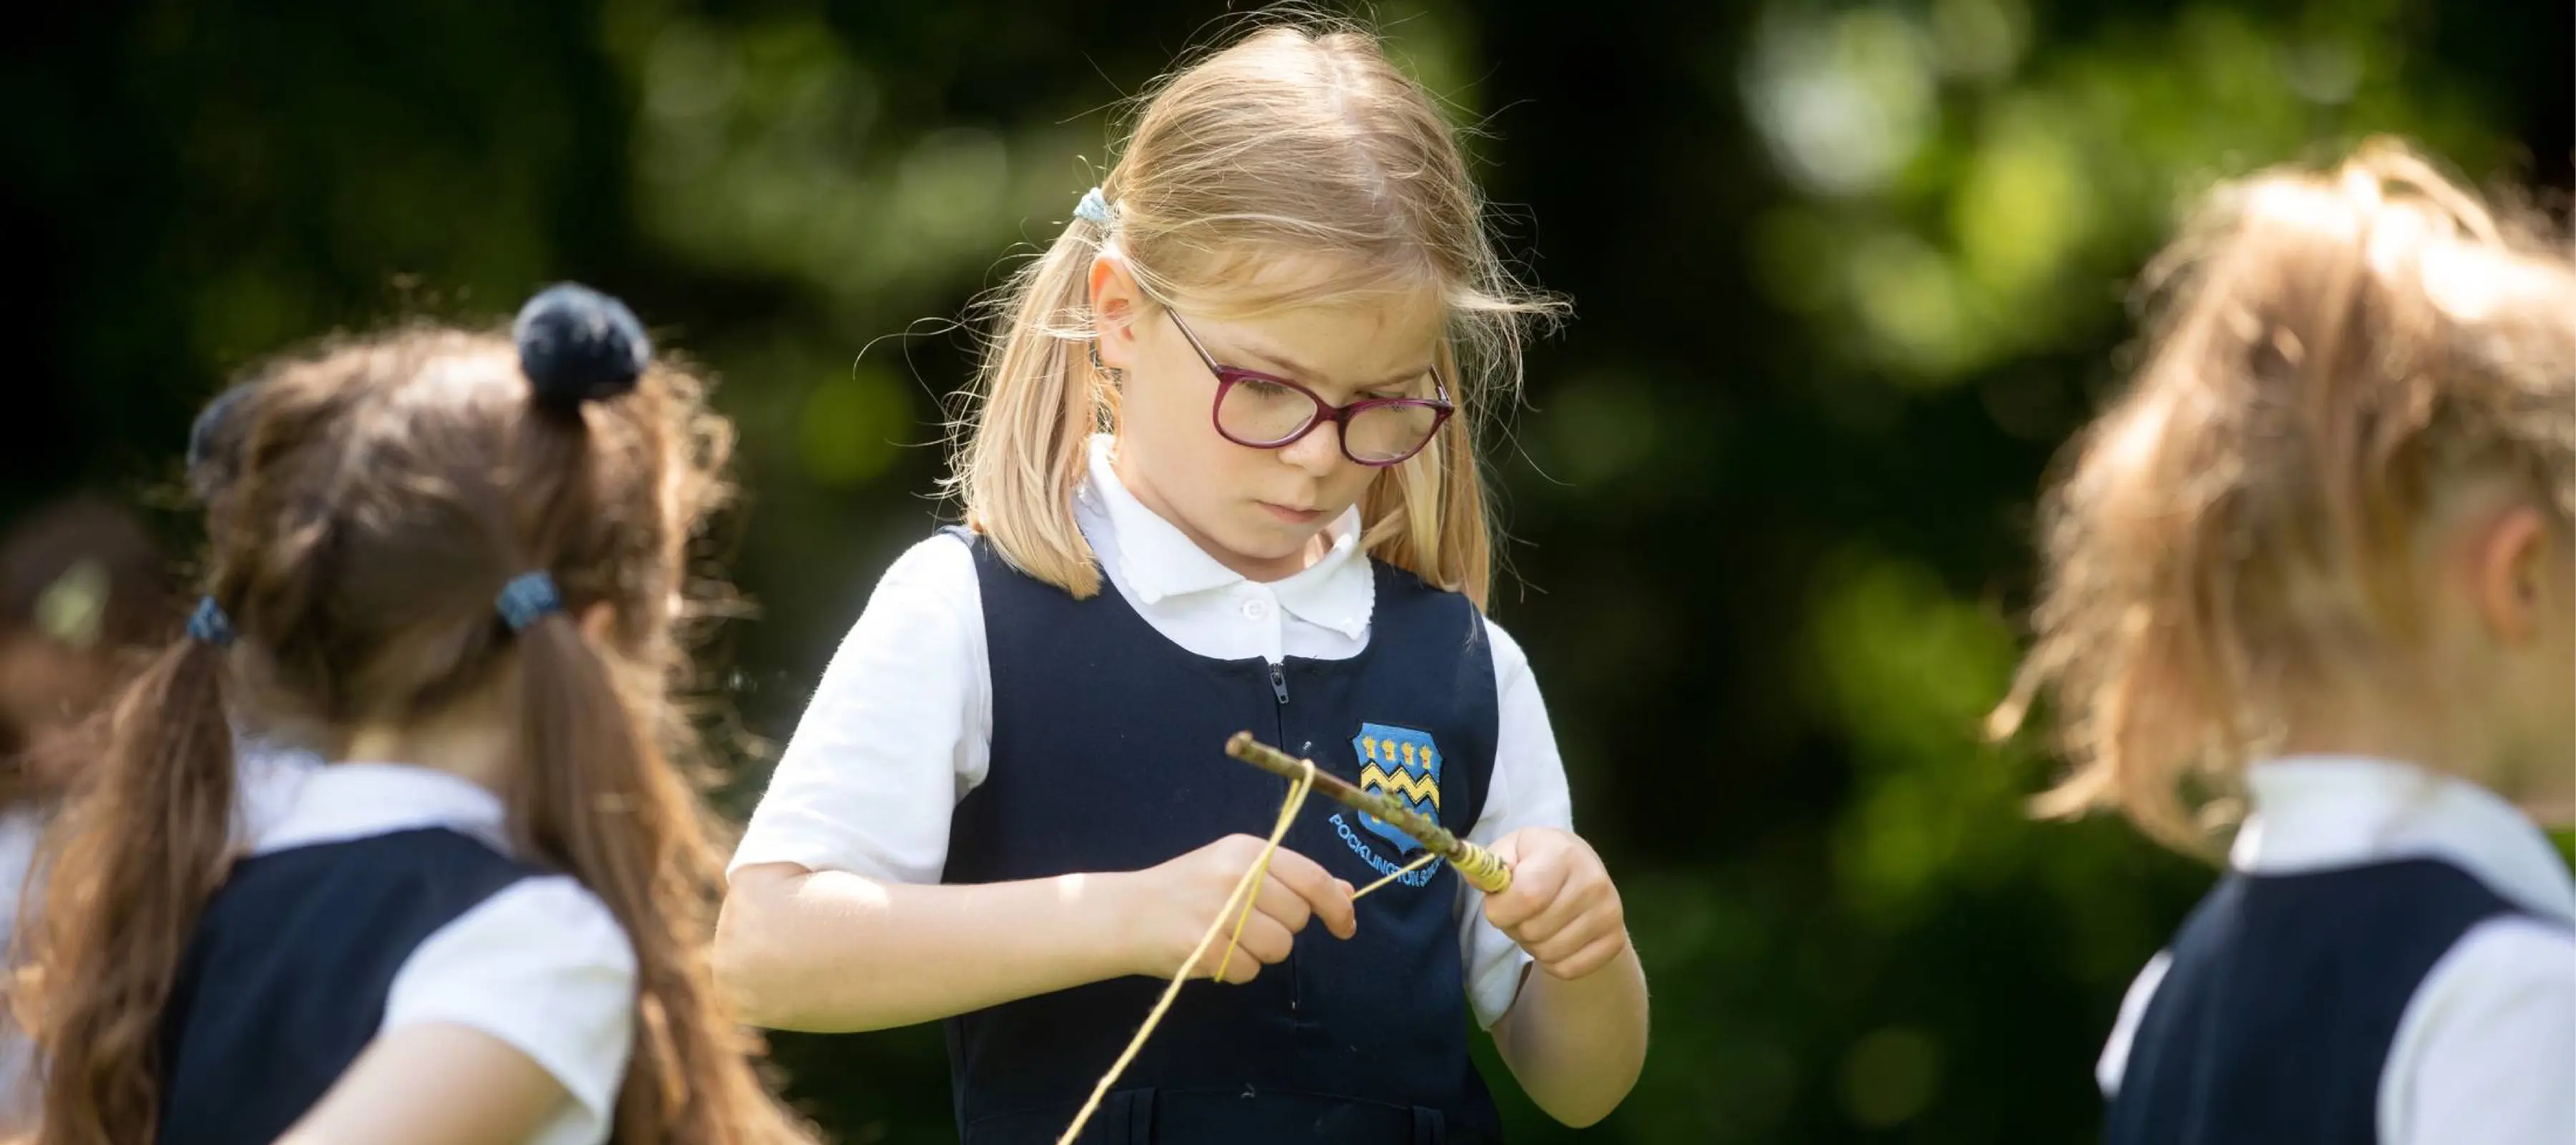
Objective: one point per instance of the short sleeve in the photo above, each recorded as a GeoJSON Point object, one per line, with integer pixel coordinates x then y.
{"type": "Point", "coordinates": [2114, 1062]}
{"type": "Point", "coordinates": [2486, 1051]}
{"type": "Point", "coordinates": [899, 729]}
{"type": "Point", "coordinates": [543, 967]}
{"type": "Point", "coordinates": [20, 830]}
{"type": "Point", "coordinates": [1528, 789]}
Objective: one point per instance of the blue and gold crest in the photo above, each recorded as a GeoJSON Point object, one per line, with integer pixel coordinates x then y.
{"type": "Point", "coordinates": [1403, 763]}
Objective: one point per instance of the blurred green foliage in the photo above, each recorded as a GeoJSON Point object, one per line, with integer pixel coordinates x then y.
{"type": "Point", "coordinates": [1845, 274]}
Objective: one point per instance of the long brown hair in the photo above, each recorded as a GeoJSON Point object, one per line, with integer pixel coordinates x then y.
{"type": "Point", "coordinates": [375, 495]}
{"type": "Point", "coordinates": [1301, 138]}
{"type": "Point", "coordinates": [2330, 351]}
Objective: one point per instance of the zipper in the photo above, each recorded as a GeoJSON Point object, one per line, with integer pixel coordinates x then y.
{"type": "Point", "coordinates": [1296, 973]}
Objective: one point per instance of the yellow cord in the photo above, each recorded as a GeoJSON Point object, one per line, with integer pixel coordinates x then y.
{"type": "Point", "coordinates": [1427, 859]}
{"type": "Point", "coordinates": [1297, 790]}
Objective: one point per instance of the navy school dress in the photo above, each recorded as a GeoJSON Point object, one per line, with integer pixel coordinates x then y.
{"type": "Point", "coordinates": [383, 897]}
{"type": "Point", "coordinates": [2275, 1018]}
{"type": "Point", "coordinates": [1108, 755]}
{"type": "Point", "coordinates": [286, 978]}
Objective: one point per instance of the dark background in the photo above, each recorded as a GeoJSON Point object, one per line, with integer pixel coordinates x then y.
{"type": "Point", "coordinates": [1845, 275]}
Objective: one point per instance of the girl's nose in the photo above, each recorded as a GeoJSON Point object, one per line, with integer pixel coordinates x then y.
{"type": "Point", "coordinates": [1319, 452]}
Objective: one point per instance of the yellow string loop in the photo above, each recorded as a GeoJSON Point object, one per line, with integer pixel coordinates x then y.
{"type": "Point", "coordinates": [1297, 790]}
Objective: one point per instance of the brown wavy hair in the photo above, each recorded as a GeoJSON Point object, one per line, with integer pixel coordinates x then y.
{"type": "Point", "coordinates": [374, 495]}
{"type": "Point", "coordinates": [2329, 351]}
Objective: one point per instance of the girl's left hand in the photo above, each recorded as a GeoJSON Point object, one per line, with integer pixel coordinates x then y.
{"type": "Point", "coordinates": [1561, 906]}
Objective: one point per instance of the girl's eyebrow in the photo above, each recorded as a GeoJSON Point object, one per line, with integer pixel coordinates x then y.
{"type": "Point", "coordinates": [1290, 369]}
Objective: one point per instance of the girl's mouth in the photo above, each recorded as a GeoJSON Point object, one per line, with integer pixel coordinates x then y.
{"type": "Point", "coordinates": [1293, 516]}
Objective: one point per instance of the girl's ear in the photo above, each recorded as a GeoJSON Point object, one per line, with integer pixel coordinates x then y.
{"type": "Point", "coordinates": [599, 623]}
{"type": "Point", "coordinates": [1114, 302]}
{"type": "Point", "coordinates": [2511, 561]}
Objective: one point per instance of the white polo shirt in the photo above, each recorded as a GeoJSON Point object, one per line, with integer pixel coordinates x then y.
{"type": "Point", "coordinates": [541, 966]}
{"type": "Point", "coordinates": [266, 777]}
{"type": "Point", "coordinates": [2486, 1050]}
{"type": "Point", "coordinates": [900, 728]}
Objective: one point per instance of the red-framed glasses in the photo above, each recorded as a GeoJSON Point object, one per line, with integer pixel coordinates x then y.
{"type": "Point", "coordinates": [1264, 411]}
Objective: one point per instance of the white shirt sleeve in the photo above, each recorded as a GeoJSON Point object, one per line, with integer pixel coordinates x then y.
{"type": "Point", "coordinates": [1528, 789]}
{"type": "Point", "coordinates": [899, 729]}
{"type": "Point", "coordinates": [20, 830]}
{"type": "Point", "coordinates": [2124, 1031]}
{"type": "Point", "coordinates": [2486, 1051]}
{"type": "Point", "coordinates": [544, 967]}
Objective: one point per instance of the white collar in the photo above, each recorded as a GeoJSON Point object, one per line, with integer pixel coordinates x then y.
{"type": "Point", "coordinates": [344, 801]}
{"type": "Point", "coordinates": [2314, 812]}
{"type": "Point", "coordinates": [1158, 562]}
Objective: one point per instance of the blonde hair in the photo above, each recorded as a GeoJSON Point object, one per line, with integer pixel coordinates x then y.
{"type": "Point", "coordinates": [2328, 353]}
{"type": "Point", "coordinates": [1297, 140]}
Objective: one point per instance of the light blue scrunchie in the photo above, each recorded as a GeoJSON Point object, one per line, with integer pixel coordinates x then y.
{"type": "Point", "coordinates": [209, 624]}
{"type": "Point", "coordinates": [1093, 209]}
{"type": "Point", "coordinates": [527, 599]}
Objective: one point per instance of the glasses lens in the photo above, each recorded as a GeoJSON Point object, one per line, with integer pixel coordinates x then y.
{"type": "Point", "coordinates": [1387, 433]}
{"type": "Point", "coordinates": [1257, 411]}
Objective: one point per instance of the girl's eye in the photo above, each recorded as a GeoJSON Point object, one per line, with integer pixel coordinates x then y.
{"type": "Point", "coordinates": [1414, 389]}
{"type": "Point", "coordinates": [1261, 387]}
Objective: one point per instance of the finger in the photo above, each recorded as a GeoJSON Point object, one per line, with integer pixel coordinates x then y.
{"type": "Point", "coordinates": [1534, 885]}
{"type": "Point", "coordinates": [1265, 939]}
{"type": "Point", "coordinates": [1579, 896]}
{"type": "Point", "coordinates": [1277, 901]}
{"type": "Point", "coordinates": [1591, 958]}
{"type": "Point", "coordinates": [1263, 942]}
{"type": "Point", "coordinates": [1328, 896]}
{"type": "Point", "coordinates": [1564, 944]}
{"type": "Point", "coordinates": [1237, 853]}
{"type": "Point", "coordinates": [1239, 969]}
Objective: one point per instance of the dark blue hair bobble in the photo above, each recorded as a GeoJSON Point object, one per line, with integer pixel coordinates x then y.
{"type": "Point", "coordinates": [577, 345]}
{"type": "Point", "coordinates": [209, 625]}
{"type": "Point", "coordinates": [214, 442]}
{"type": "Point", "coordinates": [206, 434]}
{"type": "Point", "coordinates": [527, 599]}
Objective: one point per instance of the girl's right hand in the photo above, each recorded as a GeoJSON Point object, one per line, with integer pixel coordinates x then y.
{"type": "Point", "coordinates": [1172, 905]}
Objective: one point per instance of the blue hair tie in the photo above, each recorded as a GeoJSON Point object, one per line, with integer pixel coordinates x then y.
{"type": "Point", "coordinates": [527, 599]}
{"type": "Point", "coordinates": [209, 625]}
{"type": "Point", "coordinates": [1093, 209]}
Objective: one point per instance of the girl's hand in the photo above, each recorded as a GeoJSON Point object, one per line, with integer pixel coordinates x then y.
{"type": "Point", "coordinates": [1169, 907]}
{"type": "Point", "coordinates": [1561, 906]}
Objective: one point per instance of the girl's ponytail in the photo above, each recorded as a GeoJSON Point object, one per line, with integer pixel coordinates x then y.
{"type": "Point", "coordinates": [603, 805]}
{"type": "Point", "coordinates": [131, 865]}
{"type": "Point", "coordinates": [596, 796]}
{"type": "Point", "coordinates": [365, 498]}
{"type": "Point", "coordinates": [1023, 444]}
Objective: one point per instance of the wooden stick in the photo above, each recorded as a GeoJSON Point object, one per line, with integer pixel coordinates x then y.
{"type": "Point", "coordinates": [1475, 864]}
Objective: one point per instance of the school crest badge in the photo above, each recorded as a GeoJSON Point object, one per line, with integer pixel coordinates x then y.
{"type": "Point", "coordinates": [1403, 763]}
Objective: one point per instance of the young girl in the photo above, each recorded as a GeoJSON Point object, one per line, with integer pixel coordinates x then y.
{"type": "Point", "coordinates": [2320, 554]}
{"type": "Point", "coordinates": [1009, 806]}
{"type": "Point", "coordinates": [454, 564]}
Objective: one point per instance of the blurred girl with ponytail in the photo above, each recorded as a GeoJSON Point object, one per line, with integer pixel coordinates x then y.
{"type": "Point", "coordinates": [2315, 572]}
{"type": "Point", "coordinates": [452, 564]}
{"type": "Point", "coordinates": [1220, 473]}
